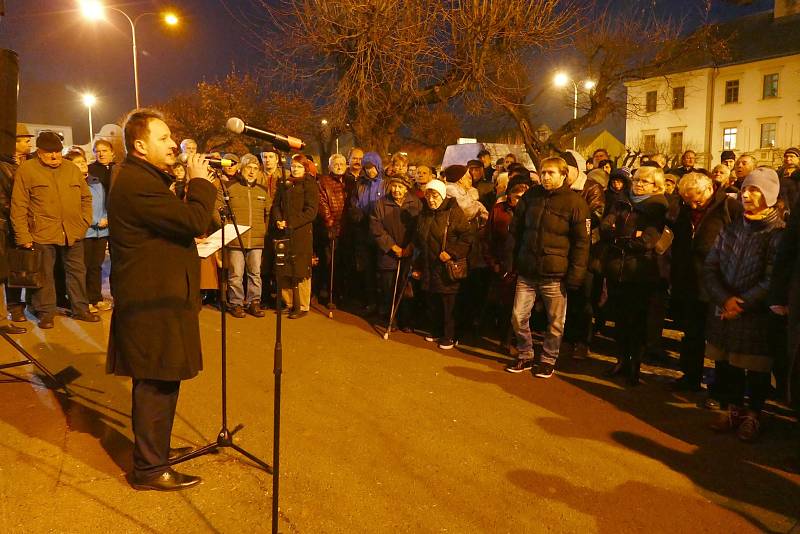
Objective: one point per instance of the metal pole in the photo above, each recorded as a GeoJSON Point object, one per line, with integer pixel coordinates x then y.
{"type": "Point", "coordinates": [575, 116]}
{"type": "Point", "coordinates": [135, 66]}
{"type": "Point", "coordinates": [91, 130]}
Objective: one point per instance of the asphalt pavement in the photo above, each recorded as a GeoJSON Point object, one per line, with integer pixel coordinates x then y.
{"type": "Point", "coordinates": [383, 436]}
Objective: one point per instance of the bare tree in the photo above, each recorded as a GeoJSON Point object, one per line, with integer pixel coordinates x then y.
{"type": "Point", "coordinates": [379, 62]}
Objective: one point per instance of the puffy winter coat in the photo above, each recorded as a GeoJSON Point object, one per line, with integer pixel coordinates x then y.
{"type": "Point", "coordinates": [392, 224]}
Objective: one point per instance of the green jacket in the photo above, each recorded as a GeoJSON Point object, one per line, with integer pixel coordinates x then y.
{"type": "Point", "coordinates": [250, 205]}
{"type": "Point", "coordinates": [50, 206]}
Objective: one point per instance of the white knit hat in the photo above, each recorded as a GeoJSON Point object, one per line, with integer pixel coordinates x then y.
{"type": "Point", "coordinates": [438, 186]}
{"type": "Point", "coordinates": [766, 180]}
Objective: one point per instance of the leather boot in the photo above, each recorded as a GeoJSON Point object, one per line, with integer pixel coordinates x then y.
{"type": "Point", "coordinates": [254, 309]}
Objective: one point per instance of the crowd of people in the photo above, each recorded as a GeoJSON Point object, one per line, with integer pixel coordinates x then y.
{"type": "Point", "coordinates": [488, 247]}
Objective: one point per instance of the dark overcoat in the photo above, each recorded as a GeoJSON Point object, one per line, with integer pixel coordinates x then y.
{"type": "Point", "coordinates": [300, 200]}
{"type": "Point", "coordinates": [392, 224]}
{"type": "Point", "coordinates": [155, 273]}
{"type": "Point", "coordinates": [428, 241]}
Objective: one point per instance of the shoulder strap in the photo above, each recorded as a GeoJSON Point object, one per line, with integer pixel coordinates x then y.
{"type": "Point", "coordinates": [446, 226]}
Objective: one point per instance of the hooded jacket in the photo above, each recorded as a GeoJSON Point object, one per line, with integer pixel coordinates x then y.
{"type": "Point", "coordinates": [392, 224]}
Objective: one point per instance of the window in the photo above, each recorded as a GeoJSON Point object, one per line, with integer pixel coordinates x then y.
{"type": "Point", "coordinates": [677, 97]}
{"type": "Point", "coordinates": [729, 138]}
{"type": "Point", "coordinates": [650, 98]}
{"type": "Point", "coordinates": [770, 86]}
{"type": "Point", "coordinates": [732, 91]}
{"type": "Point", "coordinates": [650, 143]}
{"type": "Point", "coordinates": [768, 130]}
{"type": "Point", "coordinates": [676, 142]}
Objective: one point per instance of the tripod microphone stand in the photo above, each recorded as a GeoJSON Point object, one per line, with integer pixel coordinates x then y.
{"type": "Point", "coordinates": [224, 436]}
{"type": "Point", "coordinates": [29, 359]}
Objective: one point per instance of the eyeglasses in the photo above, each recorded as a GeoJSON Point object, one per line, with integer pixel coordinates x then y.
{"type": "Point", "coordinates": [645, 182]}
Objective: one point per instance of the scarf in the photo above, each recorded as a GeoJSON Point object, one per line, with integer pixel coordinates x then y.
{"type": "Point", "coordinates": [639, 198]}
{"type": "Point", "coordinates": [761, 215]}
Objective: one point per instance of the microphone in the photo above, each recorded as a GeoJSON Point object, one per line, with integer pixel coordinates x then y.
{"type": "Point", "coordinates": [283, 142]}
{"type": "Point", "coordinates": [216, 163]}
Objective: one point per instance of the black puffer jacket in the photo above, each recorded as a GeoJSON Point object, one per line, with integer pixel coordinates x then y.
{"type": "Point", "coordinates": [551, 235]}
{"type": "Point", "coordinates": [740, 265]}
{"type": "Point", "coordinates": [690, 246]}
{"type": "Point", "coordinates": [429, 237]}
{"type": "Point", "coordinates": [632, 230]}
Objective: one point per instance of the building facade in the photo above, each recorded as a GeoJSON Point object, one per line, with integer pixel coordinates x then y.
{"type": "Point", "coordinates": [748, 104]}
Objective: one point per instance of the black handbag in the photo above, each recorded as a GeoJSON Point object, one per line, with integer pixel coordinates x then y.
{"type": "Point", "coordinates": [24, 267]}
{"type": "Point", "coordinates": [456, 269]}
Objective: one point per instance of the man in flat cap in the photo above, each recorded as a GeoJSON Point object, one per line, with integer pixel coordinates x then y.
{"type": "Point", "coordinates": [51, 209]}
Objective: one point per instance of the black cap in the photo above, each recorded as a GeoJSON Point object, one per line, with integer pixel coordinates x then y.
{"type": "Point", "coordinates": [49, 141]}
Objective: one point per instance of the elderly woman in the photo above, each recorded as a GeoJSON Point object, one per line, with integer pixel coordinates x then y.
{"type": "Point", "coordinates": [703, 212]}
{"type": "Point", "coordinates": [632, 228]}
{"type": "Point", "coordinates": [721, 176]}
{"type": "Point", "coordinates": [737, 276]}
{"type": "Point", "coordinates": [293, 212]}
{"type": "Point", "coordinates": [442, 235]}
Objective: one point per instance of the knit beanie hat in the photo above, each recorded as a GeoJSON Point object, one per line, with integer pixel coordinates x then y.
{"type": "Point", "coordinates": [438, 186]}
{"type": "Point", "coordinates": [792, 150]}
{"type": "Point", "coordinates": [400, 179]}
{"type": "Point", "coordinates": [766, 180]}
{"type": "Point", "coordinates": [454, 173]}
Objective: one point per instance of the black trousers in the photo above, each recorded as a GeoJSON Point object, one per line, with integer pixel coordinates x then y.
{"type": "Point", "coordinates": [386, 279]}
{"type": "Point", "coordinates": [578, 326]}
{"type": "Point", "coordinates": [734, 382]}
{"type": "Point", "coordinates": [693, 347]}
{"type": "Point", "coordinates": [471, 302]}
{"type": "Point", "coordinates": [152, 414]}
{"type": "Point", "coordinates": [94, 254]}
{"type": "Point", "coordinates": [442, 309]}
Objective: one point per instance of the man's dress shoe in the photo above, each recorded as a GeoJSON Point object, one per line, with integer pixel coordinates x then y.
{"type": "Point", "coordinates": [169, 480]}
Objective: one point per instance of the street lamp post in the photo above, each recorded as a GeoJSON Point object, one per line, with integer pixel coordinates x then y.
{"type": "Point", "coordinates": [89, 100]}
{"type": "Point", "coordinates": [562, 79]}
{"type": "Point", "coordinates": [93, 10]}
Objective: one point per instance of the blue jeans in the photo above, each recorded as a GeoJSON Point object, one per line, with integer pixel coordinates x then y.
{"type": "Point", "coordinates": [554, 296]}
{"type": "Point", "coordinates": [238, 263]}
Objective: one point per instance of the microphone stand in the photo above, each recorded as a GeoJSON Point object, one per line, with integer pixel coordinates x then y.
{"type": "Point", "coordinates": [224, 436]}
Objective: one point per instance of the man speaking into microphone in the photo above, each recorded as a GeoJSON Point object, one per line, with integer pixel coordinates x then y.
{"type": "Point", "coordinates": [155, 282]}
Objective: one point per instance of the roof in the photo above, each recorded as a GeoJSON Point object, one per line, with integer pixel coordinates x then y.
{"type": "Point", "coordinates": [748, 39]}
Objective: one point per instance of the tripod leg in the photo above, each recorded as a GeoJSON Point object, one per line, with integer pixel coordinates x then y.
{"type": "Point", "coordinates": [264, 465]}
{"type": "Point", "coordinates": [56, 382]}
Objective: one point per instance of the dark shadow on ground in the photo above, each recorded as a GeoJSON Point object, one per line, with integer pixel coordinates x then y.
{"type": "Point", "coordinates": [720, 463]}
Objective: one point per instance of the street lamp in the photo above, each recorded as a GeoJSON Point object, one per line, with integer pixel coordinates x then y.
{"type": "Point", "coordinates": [94, 10]}
{"type": "Point", "coordinates": [89, 100]}
{"type": "Point", "coordinates": [561, 79]}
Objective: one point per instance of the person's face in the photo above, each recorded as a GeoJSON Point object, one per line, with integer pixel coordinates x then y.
{"type": "Point", "coordinates": [607, 168]}
{"type": "Point", "coordinates": [688, 159]}
{"type": "Point", "coordinates": [24, 145]}
{"type": "Point", "coordinates": [433, 198]}
{"type": "Point", "coordinates": [339, 166]}
{"type": "Point", "coordinates": [729, 163]}
{"type": "Point", "coordinates": [696, 199]}
{"type": "Point", "coordinates": [231, 171]}
{"type": "Point", "coordinates": [598, 157]}
{"type": "Point", "coordinates": [270, 160]}
{"type": "Point", "coordinates": [157, 147]}
{"type": "Point", "coordinates": [790, 160]}
{"type": "Point", "coordinates": [51, 159]}
{"type": "Point", "coordinates": [400, 167]}
{"type": "Point", "coordinates": [551, 177]}
{"type": "Point", "coordinates": [507, 161]}
{"type": "Point", "coordinates": [398, 191]}
{"type": "Point", "coordinates": [753, 200]}
{"type": "Point", "coordinates": [513, 198]}
{"type": "Point", "coordinates": [424, 175]}
{"type": "Point", "coordinates": [179, 171]}
{"type": "Point", "coordinates": [669, 187]}
{"type": "Point", "coordinates": [743, 167]}
{"type": "Point", "coordinates": [642, 186]}
{"type": "Point", "coordinates": [355, 161]}
{"type": "Point", "coordinates": [103, 153]}
{"type": "Point", "coordinates": [250, 172]}
{"type": "Point", "coordinates": [82, 165]}
{"type": "Point", "coordinates": [372, 173]}
{"type": "Point", "coordinates": [190, 148]}
{"type": "Point", "coordinates": [720, 177]}
{"type": "Point", "coordinates": [297, 169]}
{"type": "Point", "coordinates": [486, 159]}
{"type": "Point", "coordinates": [476, 174]}
{"type": "Point", "coordinates": [617, 185]}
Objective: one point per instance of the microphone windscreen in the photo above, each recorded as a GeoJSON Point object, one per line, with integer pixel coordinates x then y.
{"type": "Point", "coordinates": [183, 158]}
{"type": "Point", "coordinates": [235, 125]}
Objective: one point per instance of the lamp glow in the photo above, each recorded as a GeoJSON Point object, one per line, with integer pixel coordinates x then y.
{"type": "Point", "coordinates": [561, 79]}
{"type": "Point", "coordinates": [89, 100]}
{"type": "Point", "coordinates": [171, 19]}
{"type": "Point", "coordinates": [589, 85]}
{"type": "Point", "coordinates": [91, 9]}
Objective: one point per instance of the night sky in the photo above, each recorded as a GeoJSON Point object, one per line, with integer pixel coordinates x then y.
{"type": "Point", "coordinates": [62, 55]}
